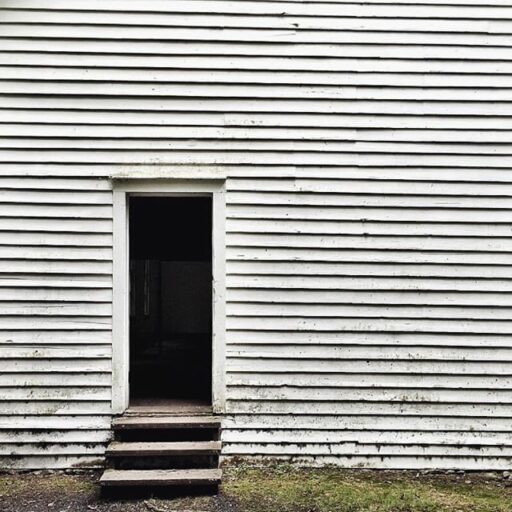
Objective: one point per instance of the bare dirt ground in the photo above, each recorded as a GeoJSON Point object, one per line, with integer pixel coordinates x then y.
{"type": "Point", "coordinates": [273, 489]}
{"type": "Point", "coordinates": [79, 492]}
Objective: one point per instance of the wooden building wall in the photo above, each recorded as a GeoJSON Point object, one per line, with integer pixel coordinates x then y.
{"type": "Point", "coordinates": [368, 152]}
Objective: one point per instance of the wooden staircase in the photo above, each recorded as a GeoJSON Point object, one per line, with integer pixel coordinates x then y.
{"type": "Point", "coordinates": [164, 451]}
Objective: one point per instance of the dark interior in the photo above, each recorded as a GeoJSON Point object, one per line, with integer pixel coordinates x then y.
{"type": "Point", "coordinates": [170, 298]}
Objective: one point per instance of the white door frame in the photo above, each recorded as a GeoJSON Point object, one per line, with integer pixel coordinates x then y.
{"type": "Point", "coordinates": [122, 190]}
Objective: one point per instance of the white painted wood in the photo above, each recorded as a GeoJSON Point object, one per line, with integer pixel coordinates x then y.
{"type": "Point", "coordinates": [219, 301]}
{"type": "Point", "coordinates": [400, 381]}
{"type": "Point", "coordinates": [343, 86]}
{"type": "Point", "coordinates": [317, 8]}
{"type": "Point", "coordinates": [120, 315]}
{"type": "Point", "coordinates": [285, 67]}
{"type": "Point", "coordinates": [327, 394]}
{"type": "Point", "coordinates": [135, 186]}
{"type": "Point", "coordinates": [93, 112]}
{"type": "Point", "coordinates": [400, 32]}
{"type": "Point", "coordinates": [111, 49]}
{"type": "Point", "coordinates": [364, 229]}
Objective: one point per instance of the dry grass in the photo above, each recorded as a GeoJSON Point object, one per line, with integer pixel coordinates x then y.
{"type": "Point", "coordinates": [287, 489]}
{"type": "Point", "coordinates": [278, 488]}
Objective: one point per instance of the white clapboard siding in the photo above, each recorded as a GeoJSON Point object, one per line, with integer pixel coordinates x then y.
{"type": "Point", "coordinates": [55, 318]}
{"type": "Point", "coordinates": [286, 69]}
{"type": "Point", "coordinates": [379, 353]}
{"type": "Point", "coordinates": [402, 381]}
{"type": "Point", "coordinates": [368, 339]}
{"type": "Point", "coordinates": [87, 136]}
{"type": "Point", "coordinates": [348, 394]}
{"type": "Point", "coordinates": [163, 50]}
{"type": "Point", "coordinates": [366, 149]}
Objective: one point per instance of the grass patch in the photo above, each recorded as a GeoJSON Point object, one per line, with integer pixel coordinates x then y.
{"type": "Point", "coordinates": [288, 489]}
{"type": "Point", "coordinates": [42, 483]}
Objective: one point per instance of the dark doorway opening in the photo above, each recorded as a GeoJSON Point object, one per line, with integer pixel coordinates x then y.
{"type": "Point", "coordinates": [170, 298]}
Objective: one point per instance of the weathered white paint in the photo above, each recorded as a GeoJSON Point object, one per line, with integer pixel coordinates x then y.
{"type": "Point", "coordinates": [366, 153]}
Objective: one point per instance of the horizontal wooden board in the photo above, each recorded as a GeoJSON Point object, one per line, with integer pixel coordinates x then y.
{"type": "Point", "coordinates": [57, 393]}
{"type": "Point", "coordinates": [70, 365]}
{"type": "Point", "coordinates": [367, 283]}
{"type": "Point", "coordinates": [380, 187]}
{"type": "Point", "coordinates": [357, 379]}
{"type": "Point", "coordinates": [54, 436]}
{"type": "Point", "coordinates": [364, 365]}
{"type": "Point", "coordinates": [367, 437]}
{"type": "Point", "coordinates": [51, 253]}
{"type": "Point", "coordinates": [55, 449]}
{"type": "Point", "coordinates": [366, 228]}
{"type": "Point", "coordinates": [267, 299]}
{"type": "Point", "coordinates": [354, 310]}
{"type": "Point", "coordinates": [56, 379]}
{"type": "Point", "coordinates": [361, 353]}
{"type": "Point", "coordinates": [256, 146]}
{"type": "Point", "coordinates": [407, 82]}
{"type": "Point", "coordinates": [386, 462]}
{"type": "Point", "coordinates": [367, 395]}
{"type": "Point", "coordinates": [36, 239]}
{"type": "Point", "coordinates": [55, 267]}
{"type": "Point", "coordinates": [52, 211]}
{"type": "Point", "coordinates": [58, 337]}
{"type": "Point", "coordinates": [440, 214]}
{"type": "Point", "coordinates": [56, 462]}
{"type": "Point", "coordinates": [326, 147]}
{"type": "Point", "coordinates": [362, 324]}
{"type": "Point", "coordinates": [33, 351]}
{"type": "Point", "coordinates": [243, 63]}
{"type": "Point", "coordinates": [97, 133]}
{"type": "Point", "coordinates": [53, 422]}
{"type": "Point", "coordinates": [283, 9]}
{"type": "Point", "coordinates": [76, 112]}
{"type": "Point", "coordinates": [353, 255]}
{"type": "Point", "coordinates": [369, 339]}
{"type": "Point", "coordinates": [365, 199]}
{"type": "Point", "coordinates": [245, 267]}
{"type": "Point", "coordinates": [57, 408]}
{"type": "Point", "coordinates": [349, 31]}
{"type": "Point", "coordinates": [273, 48]}
{"type": "Point", "coordinates": [156, 24]}
{"type": "Point", "coordinates": [180, 157]}
{"type": "Point", "coordinates": [146, 97]}
{"type": "Point", "coordinates": [366, 422]}
{"type": "Point", "coordinates": [50, 197]}
{"type": "Point", "coordinates": [96, 226]}
{"type": "Point", "coordinates": [383, 243]}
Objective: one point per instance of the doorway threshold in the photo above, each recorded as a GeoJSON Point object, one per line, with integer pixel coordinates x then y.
{"type": "Point", "coordinates": [167, 407]}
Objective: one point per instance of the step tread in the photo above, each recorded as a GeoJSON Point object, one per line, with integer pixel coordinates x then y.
{"type": "Point", "coordinates": [121, 477]}
{"type": "Point", "coordinates": [117, 448]}
{"type": "Point", "coordinates": [148, 422]}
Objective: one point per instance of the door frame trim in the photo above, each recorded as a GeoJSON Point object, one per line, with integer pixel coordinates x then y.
{"type": "Point", "coordinates": [122, 190]}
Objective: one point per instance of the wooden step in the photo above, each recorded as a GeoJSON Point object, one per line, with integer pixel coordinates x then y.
{"type": "Point", "coordinates": [160, 477]}
{"type": "Point", "coordinates": [165, 422]}
{"type": "Point", "coordinates": [121, 449]}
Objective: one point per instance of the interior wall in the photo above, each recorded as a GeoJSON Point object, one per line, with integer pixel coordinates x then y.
{"type": "Point", "coordinates": [170, 298]}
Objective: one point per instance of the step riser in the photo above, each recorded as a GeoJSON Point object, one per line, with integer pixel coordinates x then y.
{"type": "Point", "coordinates": [175, 462]}
{"type": "Point", "coordinates": [165, 434]}
{"type": "Point", "coordinates": [165, 422]}
{"type": "Point", "coordinates": [163, 492]}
